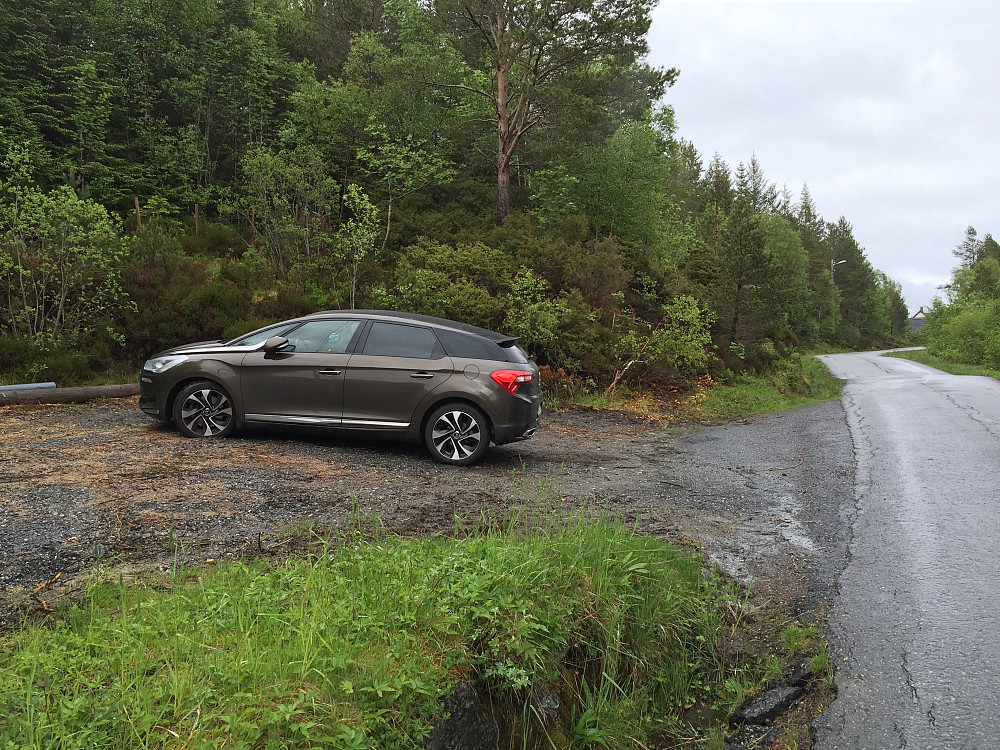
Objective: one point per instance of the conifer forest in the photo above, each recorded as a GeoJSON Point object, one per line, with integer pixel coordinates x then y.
{"type": "Point", "coordinates": [184, 170]}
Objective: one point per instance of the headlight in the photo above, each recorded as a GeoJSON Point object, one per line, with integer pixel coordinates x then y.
{"type": "Point", "coordinates": [161, 364]}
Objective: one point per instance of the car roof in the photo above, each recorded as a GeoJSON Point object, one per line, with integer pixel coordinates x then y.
{"type": "Point", "coordinates": [499, 338]}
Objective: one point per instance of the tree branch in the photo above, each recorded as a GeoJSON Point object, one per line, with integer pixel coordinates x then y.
{"type": "Point", "coordinates": [463, 87]}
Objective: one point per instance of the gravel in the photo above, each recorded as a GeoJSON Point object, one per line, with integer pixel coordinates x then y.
{"type": "Point", "coordinates": [761, 497]}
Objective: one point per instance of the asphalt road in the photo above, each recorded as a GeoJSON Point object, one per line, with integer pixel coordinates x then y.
{"type": "Point", "coordinates": [914, 626]}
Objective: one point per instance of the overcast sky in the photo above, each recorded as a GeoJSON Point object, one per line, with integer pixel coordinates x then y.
{"type": "Point", "coordinates": [888, 111]}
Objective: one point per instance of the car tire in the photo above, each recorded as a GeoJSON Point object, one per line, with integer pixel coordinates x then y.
{"type": "Point", "coordinates": [457, 434]}
{"type": "Point", "coordinates": [204, 409]}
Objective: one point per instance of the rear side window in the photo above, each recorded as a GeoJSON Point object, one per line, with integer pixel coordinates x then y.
{"type": "Point", "coordinates": [395, 340]}
{"type": "Point", "coordinates": [516, 354]}
{"type": "Point", "coordinates": [470, 347]}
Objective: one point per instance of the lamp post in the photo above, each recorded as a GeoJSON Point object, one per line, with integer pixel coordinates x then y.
{"type": "Point", "coordinates": [832, 264]}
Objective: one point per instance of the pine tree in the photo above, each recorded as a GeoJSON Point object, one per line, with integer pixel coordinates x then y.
{"type": "Point", "coordinates": [744, 268]}
{"type": "Point", "coordinates": [970, 249]}
{"type": "Point", "coordinates": [533, 61]}
{"type": "Point", "coordinates": [752, 185]}
{"type": "Point", "coordinates": [990, 248]}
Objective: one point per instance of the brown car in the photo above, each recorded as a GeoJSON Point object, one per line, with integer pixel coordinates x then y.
{"type": "Point", "coordinates": [453, 386]}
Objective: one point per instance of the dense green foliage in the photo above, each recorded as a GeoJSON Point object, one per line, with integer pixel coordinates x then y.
{"type": "Point", "coordinates": [355, 648]}
{"type": "Point", "coordinates": [965, 326]}
{"type": "Point", "coordinates": [216, 165]}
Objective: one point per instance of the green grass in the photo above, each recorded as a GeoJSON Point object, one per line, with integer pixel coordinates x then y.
{"type": "Point", "coordinates": [797, 384]}
{"type": "Point", "coordinates": [799, 638]}
{"type": "Point", "coordinates": [808, 639]}
{"type": "Point", "coordinates": [798, 381]}
{"type": "Point", "coordinates": [955, 368]}
{"type": "Point", "coordinates": [355, 648]}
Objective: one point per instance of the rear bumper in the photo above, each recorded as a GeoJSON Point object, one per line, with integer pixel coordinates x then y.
{"type": "Point", "coordinates": [523, 425]}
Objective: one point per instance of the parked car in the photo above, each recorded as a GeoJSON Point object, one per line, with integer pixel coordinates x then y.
{"type": "Point", "coordinates": [453, 386]}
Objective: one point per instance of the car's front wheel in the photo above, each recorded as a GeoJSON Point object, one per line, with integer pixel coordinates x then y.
{"type": "Point", "coordinates": [457, 434]}
{"type": "Point", "coordinates": [204, 409]}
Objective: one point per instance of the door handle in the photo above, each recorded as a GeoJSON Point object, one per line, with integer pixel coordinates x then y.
{"type": "Point", "coordinates": [329, 372]}
{"type": "Point", "coordinates": [421, 375]}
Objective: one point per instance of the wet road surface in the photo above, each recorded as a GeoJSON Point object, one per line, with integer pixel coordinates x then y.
{"type": "Point", "coordinates": [914, 629]}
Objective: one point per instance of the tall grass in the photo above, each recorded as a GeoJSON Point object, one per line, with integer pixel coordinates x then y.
{"type": "Point", "coordinates": [794, 381]}
{"type": "Point", "coordinates": [356, 647]}
{"type": "Point", "coordinates": [799, 381]}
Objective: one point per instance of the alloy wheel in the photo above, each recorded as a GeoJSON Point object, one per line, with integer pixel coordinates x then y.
{"type": "Point", "coordinates": [207, 412]}
{"type": "Point", "coordinates": [457, 436]}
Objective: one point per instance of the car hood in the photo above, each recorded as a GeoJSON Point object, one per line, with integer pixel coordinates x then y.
{"type": "Point", "coordinates": [200, 347]}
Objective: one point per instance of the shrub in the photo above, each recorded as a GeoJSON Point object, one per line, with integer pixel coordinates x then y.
{"type": "Point", "coordinates": [63, 256]}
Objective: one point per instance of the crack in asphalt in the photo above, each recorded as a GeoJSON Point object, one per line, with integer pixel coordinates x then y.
{"type": "Point", "coordinates": [971, 412]}
{"type": "Point", "coordinates": [902, 735]}
{"type": "Point", "coordinates": [914, 604]}
{"type": "Point", "coordinates": [859, 444]}
{"type": "Point", "coordinates": [908, 677]}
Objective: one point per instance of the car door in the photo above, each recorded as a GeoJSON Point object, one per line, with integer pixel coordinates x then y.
{"type": "Point", "coordinates": [304, 383]}
{"type": "Point", "coordinates": [397, 366]}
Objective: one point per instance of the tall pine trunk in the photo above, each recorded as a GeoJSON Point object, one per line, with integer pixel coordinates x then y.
{"type": "Point", "coordinates": [504, 145]}
{"type": "Point", "coordinates": [736, 315]}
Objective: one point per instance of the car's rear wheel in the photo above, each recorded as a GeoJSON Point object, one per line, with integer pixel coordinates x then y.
{"type": "Point", "coordinates": [457, 434]}
{"type": "Point", "coordinates": [204, 409]}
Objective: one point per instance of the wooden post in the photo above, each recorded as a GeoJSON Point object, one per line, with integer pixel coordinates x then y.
{"type": "Point", "coordinates": [196, 232]}
{"type": "Point", "coordinates": [138, 218]}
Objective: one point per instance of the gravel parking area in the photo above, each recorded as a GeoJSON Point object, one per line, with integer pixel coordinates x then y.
{"type": "Point", "coordinates": [84, 482]}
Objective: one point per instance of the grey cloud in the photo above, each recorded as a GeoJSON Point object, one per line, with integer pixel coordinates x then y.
{"type": "Point", "coordinates": [886, 110]}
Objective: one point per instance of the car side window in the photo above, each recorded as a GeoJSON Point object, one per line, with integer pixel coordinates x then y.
{"type": "Point", "coordinates": [252, 339]}
{"type": "Point", "coordinates": [323, 336]}
{"type": "Point", "coordinates": [395, 340]}
{"type": "Point", "coordinates": [516, 354]}
{"type": "Point", "coordinates": [470, 346]}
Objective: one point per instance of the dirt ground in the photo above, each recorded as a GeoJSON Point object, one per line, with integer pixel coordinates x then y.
{"type": "Point", "coordinates": [101, 481]}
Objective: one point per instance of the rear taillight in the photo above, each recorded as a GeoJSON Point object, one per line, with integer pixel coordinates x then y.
{"type": "Point", "coordinates": [511, 380]}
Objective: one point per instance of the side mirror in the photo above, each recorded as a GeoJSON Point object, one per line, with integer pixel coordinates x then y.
{"type": "Point", "coordinates": [274, 345]}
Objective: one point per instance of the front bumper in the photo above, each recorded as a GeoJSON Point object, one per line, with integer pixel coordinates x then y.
{"type": "Point", "coordinates": [153, 396]}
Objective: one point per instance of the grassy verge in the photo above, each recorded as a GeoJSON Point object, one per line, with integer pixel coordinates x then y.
{"type": "Point", "coordinates": [799, 383]}
{"type": "Point", "coordinates": [354, 648]}
{"type": "Point", "coordinates": [796, 382]}
{"type": "Point", "coordinates": [955, 368]}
